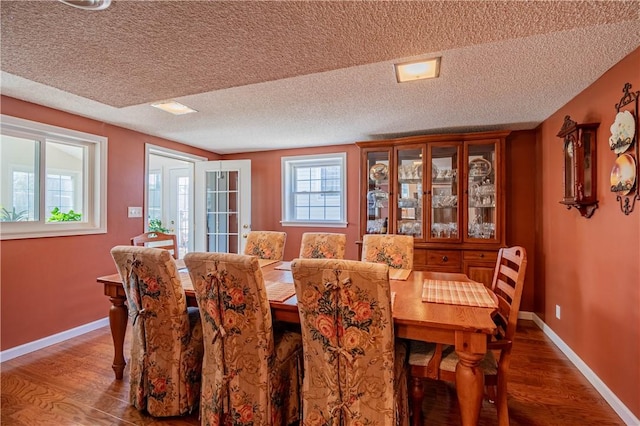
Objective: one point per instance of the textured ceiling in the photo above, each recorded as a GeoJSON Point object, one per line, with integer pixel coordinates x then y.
{"type": "Point", "coordinates": [271, 74]}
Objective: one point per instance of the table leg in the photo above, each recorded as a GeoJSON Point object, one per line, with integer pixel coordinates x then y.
{"type": "Point", "coordinates": [417, 395]}
{"type": "Point", "coordinates": [469, 386]}
{"type": "Point", "coordinates": [118, 322]}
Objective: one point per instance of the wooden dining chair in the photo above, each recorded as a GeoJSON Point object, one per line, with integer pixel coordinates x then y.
{"type": "Point", "coordinates": [266, 244]}
{"type": "Point", "coordinates": [250, 374]}
{"type": "Point", "coordinates": [323, 245]}
{"type": "Point", "coordinates": [394, 250]}
{"type": "Point", "coordinates": [435, 361]}
{"type": "Point", "coordinates": [166, 343]}
{"type": "Point", "coordinates": [354, 369]}
{"type": "Point", "coordinates": [157, 240]}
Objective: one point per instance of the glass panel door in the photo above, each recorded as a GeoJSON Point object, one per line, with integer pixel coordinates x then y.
{"type": "Point", "coordinates": [444, 214]}
{"type": "Point", "coordinates": [409, 192]}
{"type": "Point", "coordinates": [378, 192]}
{"type": "Point", "coordinates": [482, 199]}
{"type": "Point", "coordinates": [223, 205]}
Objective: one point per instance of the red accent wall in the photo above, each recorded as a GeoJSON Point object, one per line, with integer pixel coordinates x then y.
{"type": "Point", "coordinates": [266, 195]}
{"type": "Point", "coordinates": [48, 285]}
{"type": "Point", "coordinates": [591, 267]}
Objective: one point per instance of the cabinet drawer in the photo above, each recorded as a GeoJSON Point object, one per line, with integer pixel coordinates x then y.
{"type": "Point", "coordinates": [449, 258]}
{"type": "Point", "coordinates": [419, 257]}
{"type": "Point", "coordinates": [480, 256]}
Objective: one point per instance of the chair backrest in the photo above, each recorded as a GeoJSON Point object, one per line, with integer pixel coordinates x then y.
{"type": "Point", "coordinates": [157, 240]}
{"type": "Point", "coordinates": [394, 250]}
{"type": "Point", "coordinates": [238, 335]}
{"type": "Point", "coordinates": [266, 244]}
{"type": "Point", "coordinates": [160, 323]}
{"type": "Point", "coordinates": [323, 245]}
{"type": "Point", "coordinates": [508, 281]}
{"type": "Point", "coordinates": [347, 339]}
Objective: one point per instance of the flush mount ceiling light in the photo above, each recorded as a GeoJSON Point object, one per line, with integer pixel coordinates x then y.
{"type": "Point", "coordinates": [418, 70]}
{"type": "Point", "coordinates": [173, 107]}
{"type": "Point", "coordinates": [88, 4]}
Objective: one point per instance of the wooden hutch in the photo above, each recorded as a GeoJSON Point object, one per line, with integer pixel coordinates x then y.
{"type": "Point", "coordinates": [448, 191]}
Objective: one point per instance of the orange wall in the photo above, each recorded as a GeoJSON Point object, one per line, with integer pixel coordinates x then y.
{"type": "Point", "coordinates": [48, 285]}
{"type": "Point", "coordinates": [591, 267]}
{"type": "Point", "coordinates": [266, 195]}
{"type": "Point", "coordinates": [521, 172]}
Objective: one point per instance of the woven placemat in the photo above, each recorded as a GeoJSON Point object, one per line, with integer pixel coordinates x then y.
{"type": "Point", "coordinates": [467, 293]}
{"type": "Point", "coordinates": [284, 266]}
{"type": "Point", "coordinates": [265, 262]}
{"type": "Point", "coordinates": [399, 274]}
{"type": "Point", "coordinates": [279, 291]}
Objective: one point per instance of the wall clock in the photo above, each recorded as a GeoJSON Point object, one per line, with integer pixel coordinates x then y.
{"type": "Point", "coordinates": [579, 166]}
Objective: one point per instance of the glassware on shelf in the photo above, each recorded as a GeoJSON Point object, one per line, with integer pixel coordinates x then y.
{"type": "Point", "coordinates": [443, 201]}
{"type": "Point", "coordinates": [375, 226]}
{"type": "Point", "coordinates": [410, 172]}
{"type": "Point", "coordinates": [410, 227]}
{"type": "Point", "coordinates": [444, 230]}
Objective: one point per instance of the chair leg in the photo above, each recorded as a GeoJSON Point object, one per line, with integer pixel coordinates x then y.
{"type": "Point", "coordinates": [501, 402]}
{"type": "Point", "coordinates": [417, 394]}
{"type": "Point", "coordinates": [491, 392]}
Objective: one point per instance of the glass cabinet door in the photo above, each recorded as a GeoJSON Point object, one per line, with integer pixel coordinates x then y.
{"type": "Point", "coordinates": [444, 188]}
{"type": "Point", "coordinates": [482, 201]}
{"type": "Point", "coordinates": [409, 218]}
{"type": "Point", "coordinates": [378, 192]}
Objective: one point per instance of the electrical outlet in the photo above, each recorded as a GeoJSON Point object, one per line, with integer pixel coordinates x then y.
{"type": "Point", "coordinates": [558, 311]}
{"type": "Point", "coordinates": [135, 211]}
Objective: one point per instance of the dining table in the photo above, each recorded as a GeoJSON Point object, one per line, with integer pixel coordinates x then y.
{"type": "Point", "coordinates": [465, 327]}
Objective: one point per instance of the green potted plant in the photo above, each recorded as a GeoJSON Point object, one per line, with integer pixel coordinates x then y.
{"type": "Point", "coordinates": [58, 216]}
{"type": "Point", "coordinates": [155, 225]}
{"type": "Point", "coordinates": [13, 216]}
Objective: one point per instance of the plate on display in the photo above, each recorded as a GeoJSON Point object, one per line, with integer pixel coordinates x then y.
{"type": "Point", "coordinates": [379, 172]}
{"type": "Point", "coordinates": [623, 174]}
{"type": "Point", "coordinates": [622, 131]}
{"type": "Point", "coordinates": [479, 167]}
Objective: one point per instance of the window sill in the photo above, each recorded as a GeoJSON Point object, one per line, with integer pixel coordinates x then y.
{"type": "Point", "coordinates": [311, 224]}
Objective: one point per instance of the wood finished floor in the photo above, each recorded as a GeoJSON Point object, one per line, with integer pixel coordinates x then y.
{"type": "Point", "coordinates": [72, 383]}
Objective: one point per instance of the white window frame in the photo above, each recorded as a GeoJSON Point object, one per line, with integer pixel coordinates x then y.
{"type": "Point", "coordinates": [94, 187]}
{"type": "Point", "coordinates": [288, 165]}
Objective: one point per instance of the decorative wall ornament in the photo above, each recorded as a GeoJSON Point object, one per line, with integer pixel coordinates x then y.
{"type": "Point", "coordinates": [624, 142]}
{"type": "Point", "coordinates": [579, 166]}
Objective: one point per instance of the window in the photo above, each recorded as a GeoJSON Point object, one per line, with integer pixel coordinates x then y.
{"type": "Point", "coordinates": [154, 209]}
{"type": "Point", "coordinates": [314, 190]}
{"type": "Point", "coordinates": [53, 180]}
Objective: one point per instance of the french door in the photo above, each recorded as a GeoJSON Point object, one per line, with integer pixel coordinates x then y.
{"type": "Point", "coordinates": [222, 205]}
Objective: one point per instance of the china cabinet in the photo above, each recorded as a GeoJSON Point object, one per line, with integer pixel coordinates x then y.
{"type": "Point", "coordinates": [447, 191]}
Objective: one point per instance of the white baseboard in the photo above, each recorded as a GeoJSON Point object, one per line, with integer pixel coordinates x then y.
{"type": "Point", "coordinates": [51, 340]}
{"type": "Point", "coordinates": [625, 414]}
{"type": "Point", "coordinates": [526, 315]}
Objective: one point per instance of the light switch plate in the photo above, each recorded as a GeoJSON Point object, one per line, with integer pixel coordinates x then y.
{"type": "Point", "coordinates": [135, 211]}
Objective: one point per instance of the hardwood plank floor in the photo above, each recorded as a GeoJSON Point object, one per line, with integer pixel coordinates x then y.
{"type": "Point", "coordinates": [72, 383]}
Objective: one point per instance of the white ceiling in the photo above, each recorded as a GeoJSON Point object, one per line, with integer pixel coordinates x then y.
{"type": "Point", "coordinates": [275, 74]}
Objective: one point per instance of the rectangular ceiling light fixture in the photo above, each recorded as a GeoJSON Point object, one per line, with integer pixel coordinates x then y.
{"type": "Point", "coordinates": [173, 107]}
{"type": "Point", "coordinates": [418, 70]}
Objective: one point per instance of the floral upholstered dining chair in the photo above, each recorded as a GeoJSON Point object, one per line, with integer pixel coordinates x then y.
{"type": "Point", "coordinates": [354, 370]}
{"type": "Point", "coordinates": [250, 375]}
{"type": "Point", "coordinates": [393, 250]}
{"type": "Point", "coordinates": [166, 347]}
{"type": "Point", "coordinates": [266, 244]}
{"type": "Point", "coordinates": [323, 245]}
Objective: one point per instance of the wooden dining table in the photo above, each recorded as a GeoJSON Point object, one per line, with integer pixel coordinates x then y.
{"type": "Point", "coordinates": [466, 327]}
